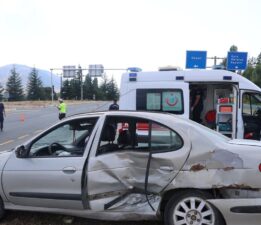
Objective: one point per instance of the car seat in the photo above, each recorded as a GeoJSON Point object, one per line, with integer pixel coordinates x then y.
{"type": "Point", "coordinates": [108, 135]}
{"type": "Point", "coordinates": [124, 139]}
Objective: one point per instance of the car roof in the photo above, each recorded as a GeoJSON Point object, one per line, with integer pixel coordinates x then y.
{"type": "Point", "coordinates": [175, 122]}
{"type": "Point", "coordinates": [162, 117]}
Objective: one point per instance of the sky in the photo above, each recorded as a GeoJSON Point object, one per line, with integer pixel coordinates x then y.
{"type": "Point", "coordinates": [124, 33]}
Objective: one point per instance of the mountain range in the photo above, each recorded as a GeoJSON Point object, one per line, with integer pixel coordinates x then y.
{"type": "Point", "coordinates": [24, 71]}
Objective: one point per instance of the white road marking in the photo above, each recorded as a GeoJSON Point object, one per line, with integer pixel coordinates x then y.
{"type": "Point", "coordinates": [38, 131]}
{"type": "Point", "coordinates": [23, 136]}
{"type": "Point", "coordinates": [7, 142]}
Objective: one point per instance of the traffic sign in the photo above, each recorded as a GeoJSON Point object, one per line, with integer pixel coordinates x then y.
{"type": "Point", "coordinates": [69, 71]}
{"type": "Point", "coordinates": [196, 59]}
{"type": "Point", "coordinates": [96, 70]}
{"type": "Point", "coordinates": [236, 60]}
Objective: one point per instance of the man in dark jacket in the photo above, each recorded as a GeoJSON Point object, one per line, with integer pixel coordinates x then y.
{"type": "Point", "coordinates": [196, 104]}
{"type": "Point", "coordinates": [2, 114]}
{"type": "Point", "coordinates": [114, 105]}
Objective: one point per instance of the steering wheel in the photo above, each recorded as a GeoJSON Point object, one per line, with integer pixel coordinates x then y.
{"type": "Point", "coordinates": [51, 147]}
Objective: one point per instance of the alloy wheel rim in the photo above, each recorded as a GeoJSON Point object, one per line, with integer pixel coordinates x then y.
{"type": "Point", "coordinates": [193, 211]}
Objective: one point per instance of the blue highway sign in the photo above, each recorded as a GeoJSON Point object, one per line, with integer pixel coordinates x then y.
{"type": "Point", "coordinates": [196, 60]}
{"type": "Point", "coordinates": [236, 60]}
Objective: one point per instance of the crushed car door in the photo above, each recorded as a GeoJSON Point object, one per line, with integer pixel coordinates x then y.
{"type": "Point", "coordinates": [119, 172]}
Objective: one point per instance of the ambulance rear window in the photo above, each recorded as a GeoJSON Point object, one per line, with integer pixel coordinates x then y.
{"type": "Point", "coordinates": [163, 100]}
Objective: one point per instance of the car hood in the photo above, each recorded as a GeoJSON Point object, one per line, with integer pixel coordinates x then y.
{"type": "Point", "coordinates": [4, 156]}
{"type": "Point", "coordinates": [245, 142]}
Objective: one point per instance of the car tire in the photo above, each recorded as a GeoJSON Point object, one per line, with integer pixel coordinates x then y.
{"type": "Point", "coordinates": [2, 209]}
{"type": "Point", "coordinates": [191, 208]}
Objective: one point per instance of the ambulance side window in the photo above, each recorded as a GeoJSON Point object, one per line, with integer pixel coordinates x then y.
{"type": "Point", "coordinates": [163, 100]}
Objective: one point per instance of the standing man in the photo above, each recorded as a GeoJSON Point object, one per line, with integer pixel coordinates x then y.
{"type": "Point", "coordinates": [114, 105]}
{"type": "Point", "coordinates": [2, 114]}
{"type": "Point", "coordinates": [196, 104]}
{"type": "Point", "coordinates": [62, 109]}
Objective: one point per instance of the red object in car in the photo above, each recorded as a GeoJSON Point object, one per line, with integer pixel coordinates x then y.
{"type": "Point", "coordinates": [211, 116]}
{"type": "Point", "coordinates": [223, 100]}
{"type": "Point", "coordinates": [249, 135]}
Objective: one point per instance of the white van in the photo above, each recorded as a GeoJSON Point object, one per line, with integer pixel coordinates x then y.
{"type": "Point", "coordinates": [231, 103]}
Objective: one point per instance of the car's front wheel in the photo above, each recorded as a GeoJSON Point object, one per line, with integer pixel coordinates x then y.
{"type": "Point", "coordinates": [2, 209]}
{"type": "Point", "coordinates": [191, 208]}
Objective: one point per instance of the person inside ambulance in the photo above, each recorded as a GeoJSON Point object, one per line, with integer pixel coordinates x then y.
{"type": "Point", "coordinates": [196, 103]}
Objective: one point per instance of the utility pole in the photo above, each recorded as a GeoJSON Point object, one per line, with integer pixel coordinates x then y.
{"type": "Point", "coordinates": [80, 78]}
{"type": "Point", "coordinates": [61, 85]}
{"type": "Point", "coordinates": [52, 84]}
{"type": "Point", "coordinates": [215, 59]}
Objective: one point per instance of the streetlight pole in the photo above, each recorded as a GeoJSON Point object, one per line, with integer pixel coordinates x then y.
{"type": "Point", "coordinates": [52, 84]}
{"type": "Point", "coordinates": [61, 85]}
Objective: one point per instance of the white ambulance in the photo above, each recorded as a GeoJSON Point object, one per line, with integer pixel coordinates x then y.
{"type": "Point", "coordinates": [231, 103]}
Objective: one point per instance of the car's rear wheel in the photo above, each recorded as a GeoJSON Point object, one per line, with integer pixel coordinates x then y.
{"type": "Point", "coordinates": [191, 208]}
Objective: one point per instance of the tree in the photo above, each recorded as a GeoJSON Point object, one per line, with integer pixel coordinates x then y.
{"type": "Point", "coordinates": [66, 90]}
{"type": "Point", "coordinates": [104, 87]}
{"type": "Point", "coordinates": [112, 90]}
{"type": "Point", "coordinates": [91, 90]}
{"type": "Point", "coordinates": [88, 89]}
{"type": "Point", "coordinates": [233, 48]}
{"type": "Point", "coordinates": [257, 75]}
{"type": "Point", "coordinates": [1, 92]}
{"type": "Point", "coordinates": [76, 89]}
{"type": "Point", "coordinates": [14, 86]}
{"type": "Point", "coordinates": [47, 93]}
{"type": "Point", "coordinates": [253, 71]}
{"type": "Point", "coordinates": [258, 60]}
{"type": "Point", "coordinates": [96, 90]}
{"type": "Point", "coordinates": [71, 89]}
{"type": "Point", "coordinates": [34, 86]}
{"type": "Point", "coordinates": [108, 89]}
{"type": "Point", "coordinates": [248, 73]}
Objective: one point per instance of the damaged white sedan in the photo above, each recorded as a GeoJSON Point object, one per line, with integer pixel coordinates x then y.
{"type": "Point", "coordinates": [135, 166]}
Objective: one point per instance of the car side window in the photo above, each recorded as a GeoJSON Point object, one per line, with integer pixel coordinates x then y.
{"type": "Point", "coordinates": [128, 133]}
{"type": "Point", "coordinates": [164, 139]}
{"type": "Point", "coordinates": [124, 133]}
{"type": "Point", "coordinates": [68, 139]}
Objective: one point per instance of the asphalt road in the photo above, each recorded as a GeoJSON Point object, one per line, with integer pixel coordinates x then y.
{"type": "Point", "coordinates": [29, 218]}
{"type": "Point", "coordinates": [21, 125]}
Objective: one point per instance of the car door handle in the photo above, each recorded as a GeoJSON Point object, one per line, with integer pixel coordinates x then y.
{"type": "Point", "coordinates": [167, 168]}
{"type": "Point", "coordinates": [69, 170]}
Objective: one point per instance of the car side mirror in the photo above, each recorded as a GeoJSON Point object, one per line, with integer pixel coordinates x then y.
{"type": "Point", "coordinates": [21, 152]}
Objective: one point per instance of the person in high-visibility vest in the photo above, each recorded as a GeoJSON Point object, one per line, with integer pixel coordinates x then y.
{"type": "Point", "coordinates": [62, 109]}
